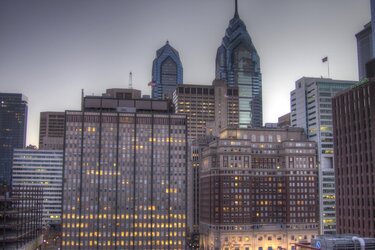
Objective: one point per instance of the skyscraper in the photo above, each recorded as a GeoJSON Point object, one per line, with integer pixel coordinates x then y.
{"type": "Point", "coordinates": [364, 49]}
{"type": "Point", "coordinates": [207, 107]}
{"type": "Point", "coordinates": [167, 72]}
{"type": "Point", "coordinates": [238, 63]}
{"type": "Point", "coordinates": [258, 190]}
{"type": "Point", "coordinates": [354, 133]}
{"type": "Point", "coordinates": [311, 109]}
{"type": "Point", "coordinates": [125, 176]}
{"type": "Point", "coordinates": [51, 130]}
{"type": "Point", "coordinates": [13, 119]}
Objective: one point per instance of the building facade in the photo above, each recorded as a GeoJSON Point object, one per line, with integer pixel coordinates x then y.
{"type": "Point", "coordinates": [195, 155]}
{"type": "Point", "coordinates": [258, 190]}
{"type": "Point", "coordinates": [51, 130]}
{"type": "Point", "coordinates": [238, 63]}
{"type": "Point", "coordinates": [364, 49]}
{"type": "Point", "coordinates": [208, 108]}
{"type": "Point", "coordinates": [311, 110]}
{"type": "Point", "coordinates": [20, 218]}
{"type": "Point", "coordinates": [125, 179]}
{"type": "Point", "coordinates": [167, 72]}
{"type": "Point", "coordinates": [354, 133]}
{"type": "Point", "coordinates": [284, 121]}
{"type": "Point", "coordinates": [13, 120]}
{"type": "Point", "coordinates": [42, 169]}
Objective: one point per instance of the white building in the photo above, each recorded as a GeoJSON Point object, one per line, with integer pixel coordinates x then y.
{"type": "Point", "coordinates": [311, 109]}
{"type": "Point", "coordinates": [41, 168]}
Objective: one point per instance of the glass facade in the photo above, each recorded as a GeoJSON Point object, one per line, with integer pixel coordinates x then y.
{"type": "Point", "coordinates": [13, 119]}
{"type": "Point", "coordinates": [125, 181]}
{"type": "Point", "coordinates": [238, 63]}
{"type": "Point", "coordinates": [167, 72]}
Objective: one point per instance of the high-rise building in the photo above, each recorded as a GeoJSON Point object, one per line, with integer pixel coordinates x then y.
{"type": "Point", "coordinates": [13, 120]}
{"type": "Point", "coordinates": [208, 108]}
{"type": "Point", "coordinates": [354, 134]}
{"type": "Point", "coordinates": [195, 156]}
{"type": "Point", "coordinates": [237, 62]}
{"type": "Point", "coordinates": [125, 176]}
{"type": "Point", "coordinates": [42, 169]}
{"type": "Point", "coordinates": [167, 72]}
{"type": "Point", "coordinates": [51, 130]}
{"type": "Point", "coordinates": [311, 110]}
{"type": "Point", "coordinates": [364, 49]}
{"type": "Point", "coordinates": [258, 190]}
{"type": "Point", "coordinates": [284, 121]}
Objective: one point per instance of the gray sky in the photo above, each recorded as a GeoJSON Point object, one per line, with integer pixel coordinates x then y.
{"type": "Point", "coordinates": [50, 49]}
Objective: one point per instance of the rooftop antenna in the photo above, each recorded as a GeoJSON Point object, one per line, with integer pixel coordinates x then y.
{"type": "Point", "coordinates": [236, 9]}
{"type": "Point", "coordinates": [130, 80]}
{"type": "Point", "coordinates": [82, 98]}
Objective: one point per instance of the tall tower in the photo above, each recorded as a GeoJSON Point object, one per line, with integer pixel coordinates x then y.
{"type": "Point", "coordinates": [167, 72]}
{"type": "Point", "coordinates": [311, 109]}
{"type": "Point", "coordinates": [238, 63]}
{"type": "Point", "coordinates": [354, 143]}
{"type": "Point", "coordinates": [13, 117]}
{"type": "Point", "coordinates": [115, 195]}
{"type": "Point", "coordinates": [51, 130]}
{"type": "Point", "coordinates": [364, 49]}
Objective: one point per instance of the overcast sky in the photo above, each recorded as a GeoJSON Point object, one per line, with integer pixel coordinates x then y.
{"type": "Point", "coordinates": [50, 49]}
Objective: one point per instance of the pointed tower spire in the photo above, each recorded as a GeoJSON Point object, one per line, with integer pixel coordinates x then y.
{"type": "Point", "coordinates": [236, 9]}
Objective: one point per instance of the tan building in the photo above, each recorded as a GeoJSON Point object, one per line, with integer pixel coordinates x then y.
{"type": "Point", "coordinates": [258, 190]}
{"type": "Point", "coordinates": [51, 130]}
{"type": "Point", "coordinates": [284, 121]}
{"type": "Point", "coordinates": [208, 108]}
{"type": "Point", "coordinates": [125, 176]}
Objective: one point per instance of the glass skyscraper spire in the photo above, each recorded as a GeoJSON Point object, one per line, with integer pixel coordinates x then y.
{"type": "Point", "coordinates": [167, 72]}
{"type": "Point", "coordinates": [238, 63]}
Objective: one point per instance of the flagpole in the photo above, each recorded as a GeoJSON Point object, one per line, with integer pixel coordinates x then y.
{"type": "Point", "coordinates": [325, 59]}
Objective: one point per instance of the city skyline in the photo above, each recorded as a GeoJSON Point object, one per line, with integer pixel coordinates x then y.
{"type": "Point", "coordinates": [61, 47]}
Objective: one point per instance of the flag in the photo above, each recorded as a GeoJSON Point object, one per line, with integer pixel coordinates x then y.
{"type": "Point", "coordinates": [324, 59]}
{"type": "Point", "coordinates": [152, 84]}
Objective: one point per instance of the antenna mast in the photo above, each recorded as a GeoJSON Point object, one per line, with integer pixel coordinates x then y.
{"type": "Point", "coordinates": [130, 80]}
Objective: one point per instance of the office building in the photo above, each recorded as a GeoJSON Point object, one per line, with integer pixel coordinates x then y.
{"type": "Point", "coordinates": [258, 190]}
{"type": "Point", "coordinates": [42, 169]}
{"type": "Point", "coordinates": [13, 120]}
{"type": "Point", "coordinates": [237, 62]}
{"type": "Point", "coordinates": [125, 176]}
{"type": "Point", "coordinates": [20, 218]}
{"type": "Point", "coordinates": [51, 130]}
{"type": "Point", "coordinates": [167, 72]}
{"type": "Point", "coordinates": [195, 148]}
{"type": "Point", "coordinates": [208, 108]}
{"type": "Point", "coordinates": [364, 49]}
{"type": "Point", "coordinates": [284, 121]}
{"type": "Point", "coordinates": [311, 110]}
{"type": "Point", "coordinates": [354, 133]}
